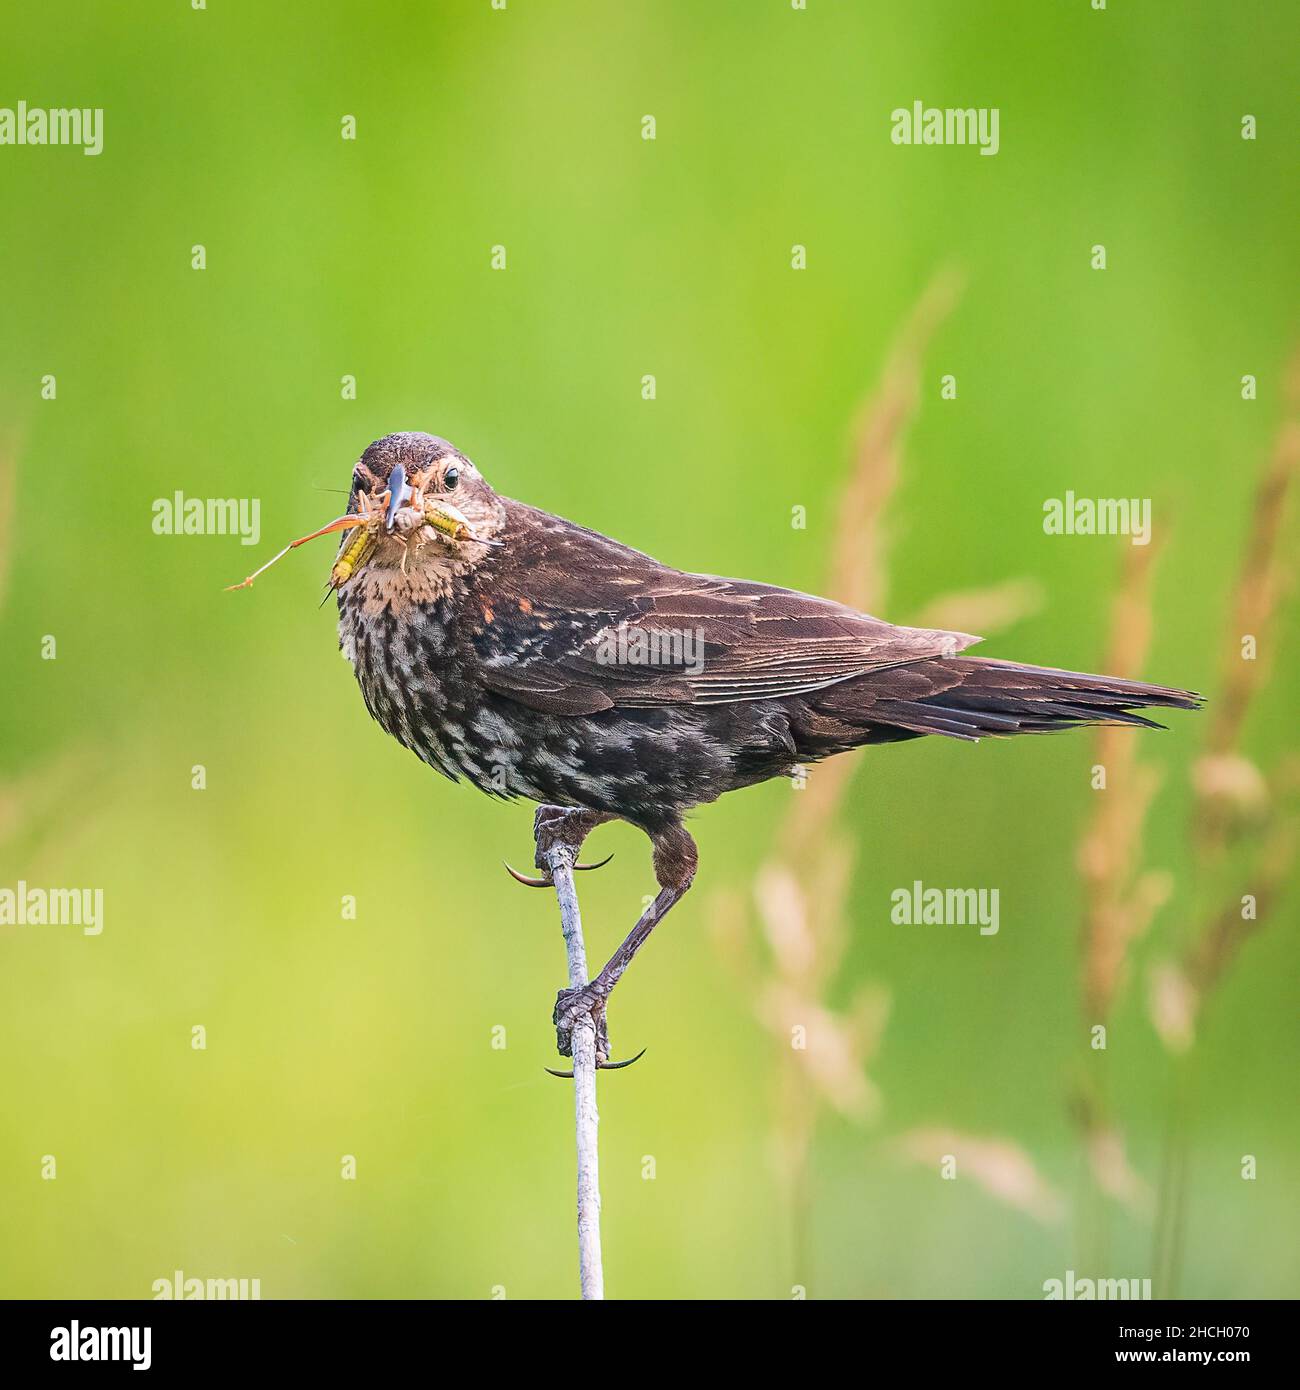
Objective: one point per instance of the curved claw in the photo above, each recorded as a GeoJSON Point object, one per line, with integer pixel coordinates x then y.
{"type": "Point", "coordinates": [600, 1066]}
{"type": "Point", "coordinates": [626, 1062]}
{"type": "Point", "coordinates": [545, 882]}
{"type": "Point", "coordinates": [526, 881]}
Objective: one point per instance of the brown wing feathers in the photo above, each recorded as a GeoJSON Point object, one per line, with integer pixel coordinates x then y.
{"type": "Point", "coordinates": [721, 641]}
{"type": "Point", "coordinates": [971, 698]}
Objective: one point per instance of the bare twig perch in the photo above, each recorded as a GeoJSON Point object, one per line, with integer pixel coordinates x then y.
{"type": "Point", "coordinates": [558, 860]}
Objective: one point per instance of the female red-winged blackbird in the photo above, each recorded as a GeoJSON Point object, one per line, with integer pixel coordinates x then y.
{"type": "Point", "coordinates": [539, 659]}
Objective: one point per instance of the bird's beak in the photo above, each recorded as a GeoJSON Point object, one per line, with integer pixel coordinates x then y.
{"type": "Point", "coordinates": [399, 493]}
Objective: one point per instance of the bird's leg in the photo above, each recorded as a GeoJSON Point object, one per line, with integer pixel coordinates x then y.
{"type": "Point", "coordinates": [675, 858]}
{"type": "Point", "coordinates": [560, 825]}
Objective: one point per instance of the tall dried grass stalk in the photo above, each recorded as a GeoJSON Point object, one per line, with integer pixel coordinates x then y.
{"type": "Point", "coordinates": [801, 890]}
{"type": "Point", "coordinates": [1230, 798]}
{"type": "Point", "coordinates": [1264, 576]}
{"type": "Point", "coordinates": [859, 552]}
{"type": "Point", "coordinates": [1230, 794]}
{"type": "Point", "coordinates": [1118, 901]}
{"type": "Point", "coordinates": [858, 572]}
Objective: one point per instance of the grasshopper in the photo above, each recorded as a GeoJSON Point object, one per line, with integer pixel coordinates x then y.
{"type": "Point", "coordinates": [403, 507]}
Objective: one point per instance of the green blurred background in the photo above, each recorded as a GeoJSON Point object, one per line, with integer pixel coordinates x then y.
{"type": "Point", "coordinates": [327, 257]}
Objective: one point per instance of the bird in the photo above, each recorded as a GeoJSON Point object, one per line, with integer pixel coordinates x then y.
{"type": "Point", "coordinates": [535, 658]}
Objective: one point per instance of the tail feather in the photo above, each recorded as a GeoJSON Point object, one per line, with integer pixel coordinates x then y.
{"type": "Point", "coordinates": [973, 698]}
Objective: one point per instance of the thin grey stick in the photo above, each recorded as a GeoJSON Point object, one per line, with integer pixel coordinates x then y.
{"type": "Point", "coordinates": [586, 1118]}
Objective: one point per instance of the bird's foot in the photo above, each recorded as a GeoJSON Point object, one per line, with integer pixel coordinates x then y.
{"type": "Point", "coordinates": [571, 1007]}
{"type": "Point", "coordinates": [559, 828]}
{"type": "Point", "coordinates": [584, 1001]}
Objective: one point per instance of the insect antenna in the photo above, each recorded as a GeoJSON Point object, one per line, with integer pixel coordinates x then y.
{"type": "Point", "coordinates": [343, 523]}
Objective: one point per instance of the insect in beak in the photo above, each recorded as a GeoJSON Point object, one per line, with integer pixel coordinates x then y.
{"type": "Point", "coordinates": [440, 520]}
{"type": "Point", "coordinates": [343, 523]}
{"type": "Point", "coordinates": [447, 521]}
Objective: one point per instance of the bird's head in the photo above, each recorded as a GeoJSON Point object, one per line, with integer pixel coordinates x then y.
{"type": "Point", "coordinates": [419, 513]}
{"type": "Point", "coordinates": [404, 475]}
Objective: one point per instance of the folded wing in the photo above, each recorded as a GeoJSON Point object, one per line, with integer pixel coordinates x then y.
{"type": "Point", "coordinates": [631, 633]}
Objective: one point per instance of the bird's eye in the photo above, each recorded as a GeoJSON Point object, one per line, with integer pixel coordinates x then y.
{"type": "Point", "coordinates": [450, 478]}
